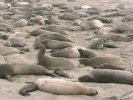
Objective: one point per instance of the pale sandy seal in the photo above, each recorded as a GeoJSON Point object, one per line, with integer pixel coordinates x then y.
{"type": "Point", "coordinates": [58, 86]}
{"type": "Point", "coordinates": [54, 28]}
{"type": "Point", "coordinates": [53, 62]}
{"type": "Point", "coordinates": [54, 44]}
{"type": "Point", "coordinates": [70, 52]}
{"type": "Point", "coordinates": [108, 76]}
{"type": "Point", "coordinates": [92, 24]}
{"type": "Point", "coordinates": [6, 27]}
{"type": "Point", "coordinates": [100, 60]}
{"type": "Point", "coordinates": [8, 70]}
{"type": "Point", "coordinates": [20, 23]}
{"type": "Point", "coordinates": [108, 66]}
{"type": "Point", "coordinates": [97, 43]}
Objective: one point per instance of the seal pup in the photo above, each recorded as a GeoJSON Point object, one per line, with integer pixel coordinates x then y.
{"type": "Point", "coordinates": [70, 52]}
{"type": "Point", "coordinates": [53, 62]}
{"type": "Point", "coordinates": [54, 44]}
{"type": "Point", "coordinates": [58, 86]}
{"type": "Point", "coordinates": [108, 66]}
{"type": "Point", "coordinates": [8, 70]}
{"type": "Point", "coordinates": [100, 60]}
{"type": "Point", "coordinates": [108, 76]}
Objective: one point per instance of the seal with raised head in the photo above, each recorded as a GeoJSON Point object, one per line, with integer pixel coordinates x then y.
{"type": "Point", "coordinates": [53, 62]}
{"type": "Point", "coordinates": [58, 86]}
{"type": "Point", "coordinates": [108, 76]}
{"type": "Point", "coordinates": [100, 60]}
{"type": "Point", "coordinates": [8, 70]}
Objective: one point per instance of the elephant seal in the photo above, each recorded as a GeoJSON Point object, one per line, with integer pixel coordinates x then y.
{"type": "Point", "coordinates": [8, 70]}
{"type": "Point", "coordinates": [54, 36]}
{"type": "Point", "coordinates": [108, 76]}
{"type": "Point", "coordinates": [108, 66]}
{"type": "Point", "coordinates": [86, 53]}
{"type": "Point", "coordinates": [68, 17]}
{"type": "Point", "coordinates": [54, 28]}
{"type": "Point", "coordinates": [128, 18]}
{"type": "Point", "coordinates": [54, 44]}
{"type": "Point", "coordinates": [97, 43]}
{"type": "Point", "coordinates": [100, 60]}
{"type": "Point", "coordinates": [70, 52]}
{"type": "Point", "coordinates": [58, 86]}
{"type": "Point", "coordinates": [53, 62]}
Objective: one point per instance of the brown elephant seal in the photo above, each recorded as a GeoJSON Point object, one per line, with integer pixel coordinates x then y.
{"type": "Point", "coordinates": [68, 17]}
{"type": "Point", "coordinates": [53, 36]}
{"type": "Point", "coordinates": [53, 62]}
{"type": "Point", "coordinates": [54, 28]}
{"type": "Point", "coordinates": [123, 27]}
{"type": "Point", "coordinates": [8, 70]}
{"type": "Point", "coordinates": [70, 52]}
{"type": "Point", "coordinates": [113, 14]}
{"type": "Point", "coordinates": [117, 37]}
{"type": "Point", "coordinates": [54, 44]}
{"type": "Point", "coordinates": [6, 27]}
{"type": "Point", "coordinates": [100, 60]}
{"type": "Point", "coordinates": [108, 76]}
{"type": "Point", "coordinates": [58, 86]}
{"type": "Point", "coordinates": [61, 73]}
{"type": "Point", "coordinates": [108, 66]}
{"type": "Point", "coordinates": [86, 53]}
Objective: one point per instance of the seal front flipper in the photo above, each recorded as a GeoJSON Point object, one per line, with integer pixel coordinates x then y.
{"type": "Point", "coordinates": [24, 91]}
{"type": "Point", "coordinates": [9, 77]}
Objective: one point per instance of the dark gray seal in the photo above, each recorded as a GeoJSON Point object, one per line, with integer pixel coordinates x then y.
{"type": "Point", "coordinates": [108, 76]}
{"type": "Point", "coordinates": [8, 70]}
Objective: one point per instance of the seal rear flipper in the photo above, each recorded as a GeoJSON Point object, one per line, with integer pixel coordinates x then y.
{"type": "Point", "coordinates": [61, 73]}
{"type": "Point", "coordinates": [24, 91]}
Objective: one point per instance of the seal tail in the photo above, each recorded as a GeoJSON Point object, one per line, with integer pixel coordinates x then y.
{"type": "Point", "coordinates": [24, 91]}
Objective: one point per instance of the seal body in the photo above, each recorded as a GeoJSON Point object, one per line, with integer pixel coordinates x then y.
{"type": "Point", "coordinates": [53, 62]}
{"type": "Point", "coordinates": [67, 53]}
{"type": "Point", "coordinates": [108, 76]}
{"type": "Point", "coordinates": [54, 44]}
{"type": "Point", "coordinates": [100, 60]}
{"type": "Point", "coordinates": [108, 66]}
{"type": "Point", "coordinates": [8, 70]}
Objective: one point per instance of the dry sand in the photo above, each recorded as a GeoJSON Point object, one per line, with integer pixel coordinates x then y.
{"type": "Point", "coordinates": [9, 90]}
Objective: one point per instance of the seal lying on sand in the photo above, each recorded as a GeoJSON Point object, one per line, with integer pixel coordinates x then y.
{"type": "Point", "coordinates": [58, 86]}
{"type": "Point", "coordinates": [100, 60]}
{"type": "Point", "coordinates": [108, 76]}
{"type": "Point", "coordinates": [54, 44]}
{"type": "Point", "coordinates": [53, 62]}
{"type": "Point", "coordinates": [108, 66]}
{"type": "Point", "coordinates": [8, 70]}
